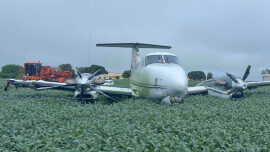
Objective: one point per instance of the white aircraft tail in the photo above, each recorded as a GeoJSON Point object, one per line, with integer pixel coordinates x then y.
{"type": "Point", "coordinates": [135, 50]}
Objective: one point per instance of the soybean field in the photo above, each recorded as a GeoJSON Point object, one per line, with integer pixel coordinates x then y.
{"type": "Point", "coordinates": [54, 120]}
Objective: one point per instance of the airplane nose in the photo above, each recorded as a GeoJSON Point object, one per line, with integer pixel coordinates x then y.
{"type": "Point", "coordinates": [177, 84]}
{"type": "Point", "coordinates": [171, 76]}
{"type": "Point", "coordinates": [176, 81]}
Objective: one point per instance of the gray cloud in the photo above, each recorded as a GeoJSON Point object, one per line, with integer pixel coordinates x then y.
{"type": "Point", "coordinates": [213, 36]}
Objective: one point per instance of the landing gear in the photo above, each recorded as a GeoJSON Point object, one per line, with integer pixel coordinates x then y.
{"type": "Point", "coordinates": [166, 100]}
{"type": "Point", "coordinates": [170, 100]}
{"type": "Point", "coordinates": [238, 95]}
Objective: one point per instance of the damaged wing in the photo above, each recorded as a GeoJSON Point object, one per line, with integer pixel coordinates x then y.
{"type": "Point", "coordinates": [115, 91]}
{"type": "Point", "coordinates": [251, 85]}
{"type": "Point", "coordinates": [208, 90]}
{"type": "Point", "coordinates": [42, 85]}
{"type": "Point", "coordinates": [197, 90]}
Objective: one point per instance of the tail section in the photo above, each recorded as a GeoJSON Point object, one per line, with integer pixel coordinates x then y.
{"type": "Point", "coordinates": [135, 50]}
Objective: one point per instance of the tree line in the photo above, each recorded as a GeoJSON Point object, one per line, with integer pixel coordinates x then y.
{"type": "Point", "coordinates": [11, 71]}
{"type": "Point", "coordinates": [14, 71]}
{"type": "Point", "coordinates": [199, 75]}
{"type": "Point", "coordinates": [266, 71]}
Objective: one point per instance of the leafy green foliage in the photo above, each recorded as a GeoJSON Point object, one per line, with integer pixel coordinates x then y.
{"type": "Point", "coordinates": [266, 71]}
{"type": "Point", "coordinates": [209, 75]}
{"type": "Point", "coordinates": [67, 67]}
{"type": "Point", "coordinates": [54, 120]}
{"type": "Point", "coordinates": [197, 75]}
{"type": "Point", "coordinates": [126, 74]}
{"type": "Point", "coordinates": [10, 71]}
{"type": "Point", "coordinates": [123, 83]}
{"type": "Point", "coordinates": [7, 75]}
{"type": "Point", "coordinates": [93, 69]}
{"type": "Point", "coordinates": [192, 83]}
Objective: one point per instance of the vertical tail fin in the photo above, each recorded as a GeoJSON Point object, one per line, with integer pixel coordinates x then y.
{"type": "Point", "coordinates": [135, 50]}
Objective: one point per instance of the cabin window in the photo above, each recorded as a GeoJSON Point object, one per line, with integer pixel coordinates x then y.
{"type": "Point", "coordinates": [171, 59]}
{"type": "Point", "coordinates": [153, 59]}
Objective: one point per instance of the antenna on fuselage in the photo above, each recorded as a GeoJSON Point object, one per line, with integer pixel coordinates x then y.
{"type": "Point", "coordinates": [135, 50]}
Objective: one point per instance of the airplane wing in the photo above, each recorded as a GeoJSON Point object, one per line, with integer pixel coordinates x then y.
{"type": "Point", "coordinates": [197, 90]}
{"type": "Point", "coordinates": [42, 85]}
{"type": "Point", "coordinates": [251, 85]}
{"type": "Point", "coordinates": [115, 91]}
{"type": "Point", "coordinates": [208, 90]}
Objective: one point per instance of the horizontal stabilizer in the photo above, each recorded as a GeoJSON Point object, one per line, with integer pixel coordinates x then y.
{"type": "Point", "coordinates": [133, 45]}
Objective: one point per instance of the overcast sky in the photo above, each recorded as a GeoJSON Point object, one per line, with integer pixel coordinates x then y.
{"type": "Point", "coordinates": [210, 35]}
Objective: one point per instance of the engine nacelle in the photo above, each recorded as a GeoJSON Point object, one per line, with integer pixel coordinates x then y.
{"type": "Point", "coordinates": [87, 94]}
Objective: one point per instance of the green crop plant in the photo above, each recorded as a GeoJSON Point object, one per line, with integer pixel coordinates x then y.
{"type": "Point", "coordinates": [54, 120]}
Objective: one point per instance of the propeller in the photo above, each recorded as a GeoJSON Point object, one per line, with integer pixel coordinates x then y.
{"type": "Point", "coordinates": [232, 77]}
{"type": "Point", "coordinates": [241, 84]}
{"type": "Point", "coordinates": [92, 87]}
{"type": "Point", "coordinates": [246, 73]}
{"type": "Point", "coordinates": [94, 74]}
{"type": "Point", "coordinates": [79, 73]}
{"type": "Point", "coordinates": [95, 89]}
{"type": "Point", "coordinates": [92, 84]}
{"type": "Point", "coordinates": [244, 77]}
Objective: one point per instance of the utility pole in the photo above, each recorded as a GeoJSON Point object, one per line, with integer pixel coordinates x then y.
{"type": "Point", "coordinates": [89, 57]}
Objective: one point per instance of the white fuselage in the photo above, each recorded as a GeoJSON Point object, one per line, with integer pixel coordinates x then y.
{"type": "Point", "coordinates": [158, 80]}
{"type": "Point", "coordinates": [158, 76]}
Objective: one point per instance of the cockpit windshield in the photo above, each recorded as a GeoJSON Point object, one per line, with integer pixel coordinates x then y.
{"type": "Point", "coordinates": [171, 59]}
{"type": "Point", "coordinates": [153, 59]}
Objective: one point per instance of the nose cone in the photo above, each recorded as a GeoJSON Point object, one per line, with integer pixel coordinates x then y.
{"type": "Point", "coordinates": [177, 83]}
{"type": "Point", "coordinates": [83, 82]}
{"type": "Point", "coordinates": [241, 85]}
{"type": "Point", "coordinates": [171, 76]}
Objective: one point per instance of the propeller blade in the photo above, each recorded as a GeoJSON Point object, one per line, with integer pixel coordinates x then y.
{"type": "Point", "coordinates": [79, 73]}
{"type": "Point", "coordinates": [99, 82]}
{"type": "Point", "coordinates": [102, 93]}
{"type": "Point", "coordinates": [53, 87]}
{"type": "Point", "coordinates": [232, 77]}
{"type": "Point", "coordinates": [247, 72]}
{"type": "Point", "coordinates": [94, 74]}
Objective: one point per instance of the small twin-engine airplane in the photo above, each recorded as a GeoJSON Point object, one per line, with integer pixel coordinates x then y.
{"type": "Point", "coordinates": [158, 75]}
